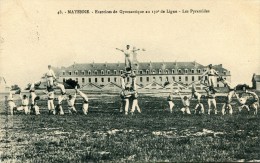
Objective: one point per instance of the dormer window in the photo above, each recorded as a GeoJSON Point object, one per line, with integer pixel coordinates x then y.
{"type": "Point", "coordinates": [83, 72]}
{"type": "Point", "coordinates": [115, 72]}
{"type": "Point", "coordinates": [102, 72]}
{"type": "Point", "coordinates": [70, 72]}
{"type": "Point", "coordinates": [76, 72]}
{"type": "Point", "coordinates": [108, 72]}
{"type": "Point", "coordinates": [173, 71]}
{"type": "Point", "coordinates": [153, 71]}
{"type": "Point", "coordinates": [121, 71]}
{"type": "Point", "coordinates": [198, 70]}
{"type": "Point", "coordinates": [160, 71]}
{"type": "Point", "coordinates": [89, 72]}
{"type": "Point", "coordinates": [141, 71]}
{"type": "Point", "coordinates": [166, 71]}
{"type": "Point", "coordinates": [147, 71]}
{"type": "Point", "coordinates": [186, 71]}
{"type": "Point", "coordinates": [192, 71]}
{"type": "Point", "coordinates": [95, 72]}
{"type": "Point", "coordinates": [179, 71]}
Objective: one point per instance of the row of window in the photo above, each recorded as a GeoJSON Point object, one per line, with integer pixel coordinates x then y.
{"type": "Point", "coordinates": [115, 72]}
{"type": "Point", "coordinates": [141, 79]}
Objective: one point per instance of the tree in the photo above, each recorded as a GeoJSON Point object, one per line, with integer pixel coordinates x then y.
{"type": "Point", "coordinates": [71, 84]}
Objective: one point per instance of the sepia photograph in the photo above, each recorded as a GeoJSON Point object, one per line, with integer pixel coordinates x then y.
{"type": "Point", "coordinates": [129, 81]}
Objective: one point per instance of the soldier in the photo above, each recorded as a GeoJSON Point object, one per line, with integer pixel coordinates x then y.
{"type": "Point", "coordinates": [134, 96]}
{"type": "Point", "coordinates": [85, 101]}
{"type": "Point", "coordinates": [50, 76]}
{"type": "Point", "coordinates": [186, 104]}
{"type": "Point", "coordinates": [211, 95]}
{"type": "Point", "coordinates": [211, 75]}
{"type": "Point", "coordinates": [127, 94]}
{"type": "Point", "coordinates": [25, 103]}
{"type": "Point", "coordinates": [170, 101]}
{"type": "Point", "coordinates": [255, 103]}
{"type": "Point", "coordinates": [11, 104]}
{"type": "Point", "coordinates": [71, 103]}
{"type": "Point", "coordinates": [50, 103]}
{"type": "Point", "coordinates": [127, 53]}
{"type": "Point", "coordinates": [199, 106]}
{"type": "Point", "coordinates": [58, 108]}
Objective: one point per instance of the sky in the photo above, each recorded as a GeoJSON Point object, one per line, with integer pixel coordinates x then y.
{"type": "Point", "coordinates": [33, 35]}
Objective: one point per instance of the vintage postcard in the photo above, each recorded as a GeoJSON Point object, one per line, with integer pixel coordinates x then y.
{"type": "Point", "coordinates": [129, 81]}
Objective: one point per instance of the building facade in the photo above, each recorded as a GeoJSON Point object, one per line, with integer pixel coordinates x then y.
{"type": "Point", "coordinates": [102, 74]}
{"type": "Point", "coordinates": [256, 82]}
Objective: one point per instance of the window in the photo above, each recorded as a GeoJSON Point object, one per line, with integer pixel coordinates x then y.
{"type": "Point", "coordinates": [179, 70]}
{"type": "Point", "coordinates": [179, 78]}
{"type": "Point", "coordinates": [96, 72]}
{"type": "Point", "coordinates": [89, 72]}
{"type": "Point", "coordinates": [153, 71]}
{"type": "Point", "coordinates": [63, 73]}
{"type": "Point", "coordinates": [108, 72]}
{"type": "Point", "coordinates": [141, 79]}
{"type": "Point", "coordinates": [192, 78]}
{"type": "Point", "coordinates": [225, 73]}
{"type": "Point", "coordinates": [192, 71]}
{"type": "Point", "coordinates": [166, 71]}
{"type": "Point", "coordinates": [147, 79]}
{"type": "Point", "coordinates": [64, 80]}
{"type": "Point", "coordinates": [186, 71]}
{"type": "Point", "coordinates": [77, 79]}
{"type": "Point", "coordinates": [102, 72]}
{"type": "Point", "coordinates": [198, 70]}
{"type": "Point", "coordinates": [173, 78]}
{"type": "Point", "coordinates": [186, 78]}
{"type": "Point", "coordinates": [160, 78]}
{"type": "Point", "coordinates": [141, 71]}
{"type": "Point", "coordinates": [199, 77]}
{"type": "Point", "coordinates": [108, 79]}
{"type": "Point", "coordinates": [167, 79]}
{"type": "Point", "coordinates": [172, 71]}
{"type": "Point", "coordinates": [83, 80]}
{"type": "Point", "coordinates": [160, 71]}
{"type": "Point", "coordinates": [70, 73]}
{"type": "Point", "coordinates": [76, 72]}
{"type": "Point", "coordinates": [89, 80]}
{"type": "Point", "coordinates": [95, 79]}
{"type": "Point", "coordinates": [147, 71]}
{"type": "Point", "coordinates": [102, 80]}
{"type": "Point", "coordinates": [114, 79]}
{"type": "Point", "coordinates": [121, 71]}
{"type": "Point", "coordinates": [83, 72]}
{"type": "Point", "coordinates": [115, 72]}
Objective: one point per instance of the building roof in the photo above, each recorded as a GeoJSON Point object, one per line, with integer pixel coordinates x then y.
{"type": "Point", "coordinates": [141, 66]}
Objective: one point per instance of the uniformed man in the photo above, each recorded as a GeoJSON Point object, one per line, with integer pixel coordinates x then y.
{"type": "Point", "coordinates": [85, 101]}
{"type": "Point", "coordinates": [212, 73]}
{"type": "Point", "coordinates": [11, 104]}
{"type": "Point", "coordinates": [170, 102]}
{"type": "Point", "coordinates": [186, 103]}
{"type": "Point", "coordinates": [127, 53]}
{"type": "Point", "coordinates": [25, 103]}
{"type": "Point", "coordinates": [199, 106]}
{"type": "Point", "coordinates": [211, 96]}
{"type": "Point", "coordinates": [71, 103]}
{"type": "Point", "coordinates": [50, 76]}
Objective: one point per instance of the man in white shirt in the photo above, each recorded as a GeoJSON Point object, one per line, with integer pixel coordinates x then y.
{"type": "Point", "coordinates": [127, 53]}
{"type": "Point", "coordinates": [71, 103]}
{"type": "Point", "coordinates": [211, 75]}
{"type": "Point", "coordinates": [50, 76]}
{"type": "Point", "coordinates": [199, 107]}
{"type": "Point", "coordinates": [50, 103]}
{"type": "Point", "coordinates": [25, 103]}
{"type": "Point", "coordinates": [11, 104]}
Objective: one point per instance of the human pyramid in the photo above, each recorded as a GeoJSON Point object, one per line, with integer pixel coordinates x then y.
{"type": "Point", "coordinates": [129, 94]}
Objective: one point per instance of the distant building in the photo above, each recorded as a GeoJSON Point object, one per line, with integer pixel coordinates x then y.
{"type": "Point", "coordinates": [102, 74]}
{"type": "Point", "coordinates": [256, 82]}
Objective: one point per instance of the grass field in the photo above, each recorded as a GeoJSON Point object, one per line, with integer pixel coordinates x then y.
{"type": "Point", "coordinates": [106, 135]}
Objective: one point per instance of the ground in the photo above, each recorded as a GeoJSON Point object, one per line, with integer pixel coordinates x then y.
{"type": "Point", "coordinates": [106, 135]}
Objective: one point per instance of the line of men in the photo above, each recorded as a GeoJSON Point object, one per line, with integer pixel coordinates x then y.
{"type": "Point", "coordinates": [51, 83]}
{"type": "Point", "coordinates": [211, 100]}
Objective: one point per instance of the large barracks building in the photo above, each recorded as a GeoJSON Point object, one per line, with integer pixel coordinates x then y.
{"type": "Point", "coordinates": [147, 73]}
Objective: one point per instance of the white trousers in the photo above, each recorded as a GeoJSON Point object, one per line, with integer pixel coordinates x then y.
{"type": "Point", "coordinates": [185, 109]}
{"type": "Point", "coordinates": [201, 108]}
{"type": "Point", "coordinates": [211, 81]}
{"type": "Point", "coordinates": [33, 96]}
{"type": "Point", "coordinates": [85, 108]}
{"type": "Point", "coordinates": [11, 106]}
{"type": "Point", "coordinates": [126, 106]}
{"type": "Point", "coordinates": [171, 105]}
{"type": "Point", "coordinates": [135, 106]}
{"type": "Point", "coordinates": [50, 105]}
{"type": "Point", "coordinates": [255, 106]}
{"type": "Point", "coordinates": [212, 101]}
{"type": "Point", "coordinates": [49, 81]}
